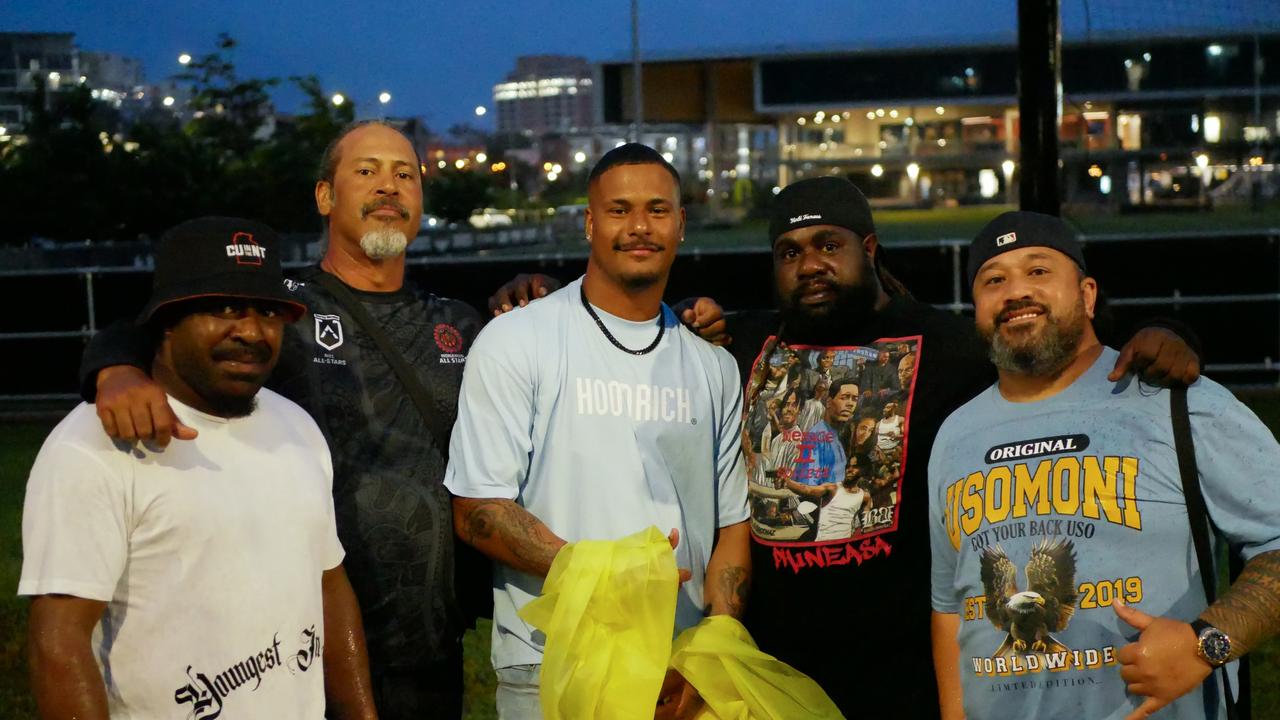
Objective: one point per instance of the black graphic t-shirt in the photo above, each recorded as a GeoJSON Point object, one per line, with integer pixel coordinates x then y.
{"type": "Point", "coordinates": [394, 515]}
{"type": "Point", "coordinates": [838, 436]}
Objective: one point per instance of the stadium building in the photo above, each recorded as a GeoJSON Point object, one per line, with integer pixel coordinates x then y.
{"type": "Point", "coordinates": [1147, 121]}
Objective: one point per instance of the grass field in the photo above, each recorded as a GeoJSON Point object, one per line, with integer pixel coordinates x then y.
{"type": "Point", "coordinates": [20, 442]}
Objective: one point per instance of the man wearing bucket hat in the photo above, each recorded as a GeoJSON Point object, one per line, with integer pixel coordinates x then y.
{"type": "Point", "coordinates": [201, 579]}
{"type": "Point", "coordinates": [1091, 602]}
{"type": "Point", "coordinates": [834, 294]}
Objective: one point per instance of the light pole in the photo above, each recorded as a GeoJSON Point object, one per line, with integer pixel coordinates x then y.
{"type": "Point", "coordinates": [637, 78]}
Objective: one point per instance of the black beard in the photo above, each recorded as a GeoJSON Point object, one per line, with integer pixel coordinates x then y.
{"type": "Point", "coordinates": [1049, 354]}
{"type": "Point", "coordinates": [232, 407]}
{"type": "Point", "coordinates": [853, 306]}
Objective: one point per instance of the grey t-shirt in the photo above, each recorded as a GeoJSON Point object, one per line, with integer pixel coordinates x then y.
{"type": "Point", "coordinates": [1043, 514]}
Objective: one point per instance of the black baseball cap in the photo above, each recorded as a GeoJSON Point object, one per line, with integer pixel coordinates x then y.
{"type": "Point", "coordinates": [828, 200]}
{"type": "Point", "coordinates": [219, 257]}
{"type": "Point", "coordinates": [1018, 229]}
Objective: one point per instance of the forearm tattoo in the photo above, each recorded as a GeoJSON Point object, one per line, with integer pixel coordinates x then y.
{"type": "Point", "coordinates": [1249, 612]}
{"type": "Point", "coordinates": [733, 584]}
{"type": "Point", "coordinates": [516, 529]}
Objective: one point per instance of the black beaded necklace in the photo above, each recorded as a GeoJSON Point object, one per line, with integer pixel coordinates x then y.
{"type": "Point", "coordinates": [600, 324]}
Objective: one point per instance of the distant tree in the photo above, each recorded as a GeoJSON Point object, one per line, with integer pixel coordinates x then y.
{"type": "Point", "coordinates": [85, 171]}
{"type": "Point", "coordinates": [281, 173]}
{"type": "Point", "coordinates": [227, 110]}
{"type": "Point", "coordinates": [59, 183]}
{"type": "Point", "coordinates": [454, 194]}
{"type": "Point", "coordinates": [570, 188]}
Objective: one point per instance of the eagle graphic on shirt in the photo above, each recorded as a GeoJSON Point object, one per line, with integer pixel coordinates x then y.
{"type": "Point", "coordinates": [1028, 617]}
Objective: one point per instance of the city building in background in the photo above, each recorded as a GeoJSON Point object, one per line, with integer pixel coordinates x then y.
{"type": "Point", "coordinates": [109, 71]}
{"type": "Point", "coordinates": [54, 60]}
{"type": "Point", "coordinates": [1146, 121]}
{"type": "Point", "coordinates": [26, 58]}
{"type": "Point", "coordinates": [545, 94]}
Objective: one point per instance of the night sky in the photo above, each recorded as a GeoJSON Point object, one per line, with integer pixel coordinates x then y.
{"type": "Point", "coordinates": [440, 59]}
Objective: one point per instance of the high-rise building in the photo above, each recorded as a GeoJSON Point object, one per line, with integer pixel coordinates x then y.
{"type": "Point", "coordinates": [545, 94]}
{"type": "Point", "coordinates": [26, 57]}
{"type": "Point", "coordinates": [110, 71]}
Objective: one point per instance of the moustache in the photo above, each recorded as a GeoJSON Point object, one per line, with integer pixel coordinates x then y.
{"type": "Point", "coordinates": [1013, 307]}
{"type": "Point", "coordinates": [257, 353]}
{"type": "Point", "coordinates": [639, 245]}
{"type": "Point", "coordinates": [809, 286]}
{"type": "Point", "coordinates": [384, 202]}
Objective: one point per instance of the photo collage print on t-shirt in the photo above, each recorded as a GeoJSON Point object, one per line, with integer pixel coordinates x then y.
{"type": "Point", "coordinates": [825, 439]}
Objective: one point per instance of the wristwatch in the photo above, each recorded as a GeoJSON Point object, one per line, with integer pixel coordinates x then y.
{"type": "Point", "coordinates": [1212, 645]}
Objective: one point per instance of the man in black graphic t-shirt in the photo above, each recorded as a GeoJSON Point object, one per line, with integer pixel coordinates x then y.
{"type": "Point", "coordinates": [834, 298]}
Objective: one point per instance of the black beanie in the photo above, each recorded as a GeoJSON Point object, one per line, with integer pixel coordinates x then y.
{"type": "Point", "coordinates": [829, 200]}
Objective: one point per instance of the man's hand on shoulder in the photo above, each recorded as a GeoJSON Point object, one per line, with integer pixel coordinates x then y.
{"type": "Point", "coordinates": [705, 317]}
{"type": "Point", "coordinates": [520, 291]}
{"type": "Point", "coordinates": [134, 407]}
{"type": "Point", "coordinates": [1162, 665]}
{"type": "Point", "coordinates": [1161, 356]}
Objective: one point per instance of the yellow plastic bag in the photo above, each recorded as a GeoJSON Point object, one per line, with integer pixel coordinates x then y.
{"type": "Point", "coordinates": [608, 610]}
{"type": "Point", "coordinates": [739, 682]}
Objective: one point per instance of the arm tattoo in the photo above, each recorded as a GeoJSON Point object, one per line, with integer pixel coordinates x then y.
{"type": "Point", "coordinates": [1249, 612]}
{"type": "Point", "coordinates": [480, 521]}
{"type": "Point", "coordinates": [516, 530]}
{"type": "Point", "coordinates": [733, 582]}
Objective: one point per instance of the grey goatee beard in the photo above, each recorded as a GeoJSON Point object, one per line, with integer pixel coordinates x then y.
{"type": "Point", "coordinates": [1045, 355]}
{"type": "Point", "coordinates": [383, 244]}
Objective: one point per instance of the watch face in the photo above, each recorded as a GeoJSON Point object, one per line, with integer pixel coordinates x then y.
{"type": "Point", "coordinates": [1215, 645]}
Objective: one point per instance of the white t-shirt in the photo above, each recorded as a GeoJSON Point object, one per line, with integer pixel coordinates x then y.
{"type": "Point", "coordinates": [889, 432]}
{"type": "Point", "coordinates": [836, 519]}
{"type": "Point", "coordinates": [209, 555]}
{"type": "Point", "coordinates": [596, 443]}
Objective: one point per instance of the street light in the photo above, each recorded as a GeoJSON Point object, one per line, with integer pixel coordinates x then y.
{"type": "Point", "coordinates": [168, 101]}
{"type": "Point", "coordinates": [579, 157]}
{"type": "Point", "coordinates": [877, 170]}
{"type": "Point", "coordinates": [481, 157]}
{"type": "Point", "coordinates": [338, 99]}
{"type": "Point", "coordinates": [184, 59]}
{"type": "Point", "coordinates": [480, 111]}
{"type": "Point", "coordinates": [384, 97]}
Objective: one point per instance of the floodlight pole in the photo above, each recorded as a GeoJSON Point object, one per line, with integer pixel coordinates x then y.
{"type": "Point", "coordinates": [1039, 104]}
{"type": "Point", "coordinates": [637, 81]}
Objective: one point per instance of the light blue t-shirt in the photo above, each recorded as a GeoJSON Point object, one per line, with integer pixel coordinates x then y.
{"type": "Point", "coordinates": [1077, 498]}
{"type": "Point", "coordinates": [596, 443]}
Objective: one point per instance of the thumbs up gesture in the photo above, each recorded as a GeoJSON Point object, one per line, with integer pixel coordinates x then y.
{"type": "Point", "coordinates": [1163, 664]}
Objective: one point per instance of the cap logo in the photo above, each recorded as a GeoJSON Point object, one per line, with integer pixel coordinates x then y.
{"type": "Point", "coordinates": [805, 216]}
{"type": "Point", "coordinates": [245, 249]}
{"type": "Point", "coordinates": [1006, 239]}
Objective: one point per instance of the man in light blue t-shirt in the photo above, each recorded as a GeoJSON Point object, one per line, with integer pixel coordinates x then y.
{"type": "Point", "coordinates": [1065, 580]}
{"type": "Point", "coordinates": [594, 414]}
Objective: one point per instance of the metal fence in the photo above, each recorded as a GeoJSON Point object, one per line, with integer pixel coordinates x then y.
{"type": "Point", "coordinates": [1170, 283]}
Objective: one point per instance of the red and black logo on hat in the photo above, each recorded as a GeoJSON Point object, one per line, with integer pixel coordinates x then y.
{"type": "Point", "coordinates": [246, 250]}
